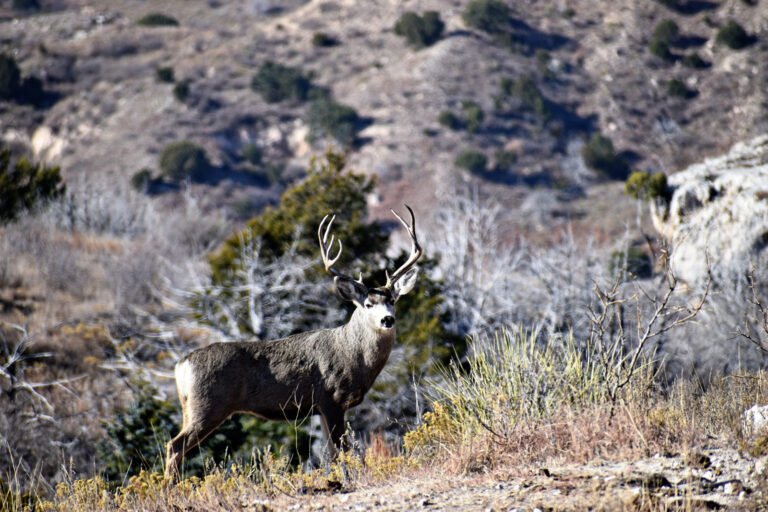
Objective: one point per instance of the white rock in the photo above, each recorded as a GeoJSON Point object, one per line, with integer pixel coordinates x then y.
{"type": "Point", "coordinates": [756, 417]}
{"type": "Point", "coordinates": [718, 214]}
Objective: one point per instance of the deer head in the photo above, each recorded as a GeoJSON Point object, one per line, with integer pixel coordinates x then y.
{"type": "Point", "coordinates": [377, 304]}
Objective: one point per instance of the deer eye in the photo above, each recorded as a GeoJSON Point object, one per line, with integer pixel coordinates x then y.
{"type": "Point", "coordinates": [369, 305]}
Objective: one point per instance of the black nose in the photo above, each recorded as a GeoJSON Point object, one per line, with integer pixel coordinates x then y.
{"type": "Point", "coordinates": [388, 321]}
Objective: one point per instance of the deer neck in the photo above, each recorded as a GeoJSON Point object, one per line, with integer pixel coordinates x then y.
{"type": "Point", "coordinates": [363, 342]}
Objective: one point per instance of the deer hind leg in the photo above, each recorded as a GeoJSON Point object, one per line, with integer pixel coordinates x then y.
{"type": "Point", "coordinates": [191, 435]}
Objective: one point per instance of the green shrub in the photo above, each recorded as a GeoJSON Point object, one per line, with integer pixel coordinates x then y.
{"type": "Point", "coordinates": [644, 186]}
{"type": "Point", "coordinates": [136, 437]}
{"type": "Point", "coordinates": [141, 180]}
{"type": "Point", "coordinates": [328, 118]}
{"type": "Point", "coordinates": [183, 160]}
{"type": "Point", "coordinates": [471, 160]}
{"type": "Point", "coordinates": [666, 31]}
{"type": "Point", "coordinates": [10, 77]}
{"type": "Point", "coordinates": [164, 74]}
{"type": "Point", "coordinates": [181, 91]}
{"type": "Point", "coordinates": [449, 120]}
{"type": "Point", "coordinates": [473, 116]}
{"type": "Point", "coordinates": [505, 159]}
{"type": "Point", "coordinates": [157, 19]}
{"type": "Point", "coordinates": [491, 16]}
{"type": "Point", "coordinates": [634, 261]}
{"type": "Point", "coordinates": [323, 40]}
{"type": "Point", "coordinates": [420, 31]}
{"type": "Point", "coordinates": [252, 154]}
{"type": "Point", "coordinates": [26, 185]}
{"type": "Point", "coordinates": [660, 49]}
{"type": "Point", "coordinates": [678, 89]}
{"type": "Point", "coordinates": [598, 154]}
{"type": "Point", "coordinates": [694, 61]}
{"type": "Point", "coordinates": [530, 95]}
{"type": "Point", "coordinates": [733, 36]}
{"type": "Point", "coordinates": [276, 82]}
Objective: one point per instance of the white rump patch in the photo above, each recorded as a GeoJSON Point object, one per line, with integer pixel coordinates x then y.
{"type": "Point", "coordinates": [185, 379]}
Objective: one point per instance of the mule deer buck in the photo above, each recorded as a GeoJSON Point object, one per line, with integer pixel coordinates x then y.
{"type": "Point", "coordinates": [323, 372]}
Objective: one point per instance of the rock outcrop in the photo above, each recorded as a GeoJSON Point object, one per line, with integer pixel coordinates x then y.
{"type": "Point", "coordinates": [718, 215]}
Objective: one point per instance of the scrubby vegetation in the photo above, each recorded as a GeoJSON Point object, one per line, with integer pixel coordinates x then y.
{"type": "Point", "coordinates": [420, 31]}
{"type": "Point", "coordinates": [524, 88]}
{"type": "Point", "coordinates": [164, 74]}
{"type": "Point", "coordinates": [733, 35]}
{"type": "Point", "coordinates": [644, 186]}
{"type": "Point", "coordinates": [600, 155]}
{"type": "Point", "coordinates": [328, 118]}
{"type": "Point", "coordinates": [491, 16]}
{"type": "Point", "coordinates": [157, 19]}
{"type": "Point", "coordinates": [183, 160]}
{"type": "Point", "coordinates": [276, 82]}
{"type": "Point", "coordinates": [471, 160]}
{"type": "Point", "coordinates": [25, 185]}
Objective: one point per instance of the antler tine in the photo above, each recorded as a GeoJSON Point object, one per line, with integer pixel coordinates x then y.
{"type": "Point", "coordinates": [325, 246]}
{"type": "Point", "coordinates": [415, 248]}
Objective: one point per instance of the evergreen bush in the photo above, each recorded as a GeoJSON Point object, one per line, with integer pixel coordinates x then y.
{"type": "Point", "coordinates": [471, 160]}
{"type": "Point", "coordinates": [694, 61]}
{"type": "Point", "coordinates": [326, 117]}
{"type": "Point", "coordinates": [644, 186]}
{"type": "Point", "coordinates": [490, 16]}
{"type": "Point", "coordinates": [733, 36]}
{"type": "Point", "coordinates": [181, 91]}
{"type": "Point", "coordinates": [157, 19]}
{"type": "Point", "coordinates": [678, 89]}
{"type": "Point", "coordinates": [25, 185]}
{"type": "Point", "coordinates": [420, 31]}
{"type": "Point", "coordinates": [660, 49]}
{"type": "Point", "coordinates": [667, 31]}
{"type": "Point", "coordinates": [183, 160]}
{"type": "Point", "coordinates": [323, 40]}
{"type": "Point", "coordinates": [141, 180]}
{"type": "Point", "coordinates": [530, 95]}
{"type": "Point", "coordinates": [598, 154]}
{"type": "Point", "coordinates": [449, 120]}
{"type": "Point", "coordinates": [164, 74]}
{"type": "Point", "coordinates": [275, 83]}
{"type": "Point", "coordinates": [473, 116]}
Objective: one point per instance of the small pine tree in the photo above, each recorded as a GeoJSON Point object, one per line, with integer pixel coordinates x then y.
{"type": "Point", "coordinates": [157, 19]}
{"type": "Point", "coordinates": [420, 31]}
{"type": "Point", "coordinates": [600, 155]}
{"type": "Point", "coordinates": [491, 16]}
{"type": "Point", "coordinates": [25, 185]}
{"type": "Point", "coordinates": [183, 159]}
{"type": "Point", "coordinates": [733, 35]}
{"type": "Point", "coordinates": [329, 118]}
{"type": "Point", "coordinates": [276, 83]}
{"type": "Point", "coordinates": [471, 160]}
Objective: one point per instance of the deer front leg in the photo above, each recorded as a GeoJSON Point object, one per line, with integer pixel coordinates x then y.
{"type": "Point", "coordinates": [332, 420]}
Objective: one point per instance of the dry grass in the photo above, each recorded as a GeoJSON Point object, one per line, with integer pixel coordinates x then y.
{"type": "Point", "coordinates": [508, 440]}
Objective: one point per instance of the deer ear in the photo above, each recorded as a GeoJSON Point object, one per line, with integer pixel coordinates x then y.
{"type": "Point", "coordinates": [350, 290]}
{"type": "Point", "coordinates": [406, 283]}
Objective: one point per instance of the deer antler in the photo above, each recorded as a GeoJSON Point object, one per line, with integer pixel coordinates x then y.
{"type": "Point", "coordinates": [415, 250]}
{"type": "Point", "coordinates": [324, 250]}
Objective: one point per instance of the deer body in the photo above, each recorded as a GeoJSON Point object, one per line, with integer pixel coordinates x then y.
{"type": "Point", "coordinates": [323, 372]}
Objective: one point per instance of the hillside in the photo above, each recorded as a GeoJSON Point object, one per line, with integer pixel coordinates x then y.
{"type": "Point", "coordinates": [592, 66]}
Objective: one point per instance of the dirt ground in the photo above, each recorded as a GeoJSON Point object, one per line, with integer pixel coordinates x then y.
{"type": "Point", "coordinates": [718, 479]}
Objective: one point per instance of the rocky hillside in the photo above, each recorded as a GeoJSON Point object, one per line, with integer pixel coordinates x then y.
{"type": "Point", "coordinates": [593, 68]}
